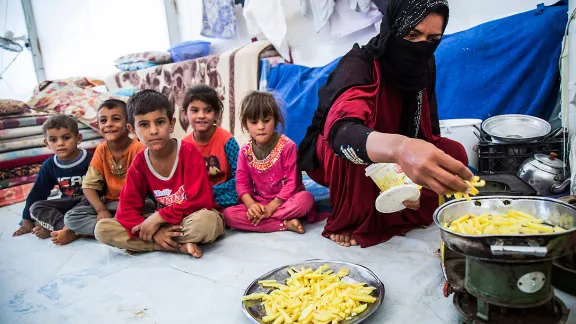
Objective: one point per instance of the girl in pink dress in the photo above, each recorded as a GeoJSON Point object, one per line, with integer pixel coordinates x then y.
{"type": "Point", "coordinates": [267, 180]}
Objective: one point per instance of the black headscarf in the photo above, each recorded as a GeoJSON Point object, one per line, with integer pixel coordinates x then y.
{"type": "Point", "coordinates": [404, 63]}
{"type": "Point", "coordinates": [408, 66]}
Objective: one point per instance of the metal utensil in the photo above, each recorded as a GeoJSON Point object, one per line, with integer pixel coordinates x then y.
{"type": "Point", "coordinates": [546, 174]}
{"type": "Point", "coordinates": [255, 311]}
{"type": "Point", "coordinates": [519, 248]}
{"type": "Point", "coordinates": [553, 134]}
{"type": "Point", "coordinates": [516, 128]}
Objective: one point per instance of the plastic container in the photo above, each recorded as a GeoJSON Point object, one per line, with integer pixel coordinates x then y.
{"type": "Point", "coordinates": [462, 130]}
{"type": "Point", "coordinates": [394, 185]}
{"type": "Point", "coordinates": [189, 50]}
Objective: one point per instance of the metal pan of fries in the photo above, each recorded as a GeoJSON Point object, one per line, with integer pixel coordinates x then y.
{"type": "Point", "coordinates": [508, 229]}
{"type": "Point", "coordinates": [323, 278]}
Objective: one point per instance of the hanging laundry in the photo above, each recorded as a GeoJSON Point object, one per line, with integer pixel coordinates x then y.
{"type": "Point", "coordinates": [266, 18]}
{"type": "Point", "coordinates": [219, 19]}
{"type": "Point", "coordinates": [319, 10]}
{"type": "Point", "coordinates": [362, 6]}
{"type": "Point", "coordinates": [345, 21]}
{"type": "Point", "coordinates": [381, 4]}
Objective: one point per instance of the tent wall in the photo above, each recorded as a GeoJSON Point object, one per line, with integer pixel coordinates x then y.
{"type": "Point", "coordinates": [19, 79]}
{"type": "Point", "coordinates": [82, 38]}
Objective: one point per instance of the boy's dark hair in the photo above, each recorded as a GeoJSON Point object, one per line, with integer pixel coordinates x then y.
{"type": "Point", "coordinates": [147, 101]}
{"type": "Point", "coordinates": [114, 103]}
{"type": "Point", "coordinates": [257, 105]}
{"type": "Point", "coordinates": [61, 121]}
{"type": "Point", "coordinates": [204, 93]}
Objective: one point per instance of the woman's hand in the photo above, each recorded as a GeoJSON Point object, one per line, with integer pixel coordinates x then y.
{"type": "Point", "coordinates": [430, 167]}
{"type": "Point", "coordinates": [414, 205]}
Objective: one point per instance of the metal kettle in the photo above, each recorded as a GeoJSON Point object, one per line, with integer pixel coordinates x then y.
{"type": "Point", "coordinates": [545, 173]}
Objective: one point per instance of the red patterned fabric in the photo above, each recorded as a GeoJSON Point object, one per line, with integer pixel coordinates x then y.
{"type": "Point", "coordinates": [14, 195]}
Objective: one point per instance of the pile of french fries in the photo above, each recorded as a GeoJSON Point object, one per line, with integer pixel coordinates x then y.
{"type": "Point", "coordinates": [313, 296]}
{"type": "Point", "coordinates": [475, 183]}
{"type": "Point", "coordinates": [513, 222]}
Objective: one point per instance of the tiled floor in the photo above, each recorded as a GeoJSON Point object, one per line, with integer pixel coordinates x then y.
{"type": "Point", "coordinates": [86, 282]}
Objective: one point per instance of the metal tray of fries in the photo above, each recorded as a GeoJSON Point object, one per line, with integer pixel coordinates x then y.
{"type": "Point", "coordinates": [358, 274]}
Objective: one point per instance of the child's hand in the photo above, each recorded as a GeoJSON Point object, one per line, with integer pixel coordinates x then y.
{"type": "Point", "coordinates": [412, 204]}
{"type": "Point", "coordinates": [103, 214]}
{"type": "Point", "coordinates": [255, 212]}
{"type": "Point", "coordinates": [148, 227]}
{"type": "Point", "coordinates": [165, 234]}
{"type": "Point", "coordinates": [272, 207]}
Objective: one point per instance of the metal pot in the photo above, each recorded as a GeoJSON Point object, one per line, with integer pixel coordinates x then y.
{"type": "Point", "coordinates": [511, 248]}
{"type": "Point", "coordinates": [516, 128]}
{"type": "Point", "coordinates": [546, 174]}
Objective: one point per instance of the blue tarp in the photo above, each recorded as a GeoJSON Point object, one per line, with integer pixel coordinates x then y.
{"type": "Point", "coordinates": [297, 88]}
{"type": "Point", "coordinates": [506, 66]}
{"type": "Point", "coordinates": [500, 67]}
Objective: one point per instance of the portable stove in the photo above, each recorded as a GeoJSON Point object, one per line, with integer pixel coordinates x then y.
{"type": "Point", "coordinates": [505, 278]}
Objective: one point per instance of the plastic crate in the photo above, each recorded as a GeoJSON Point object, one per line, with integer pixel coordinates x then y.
{"type": "Point", "coordinates": [506, 158]}
{"type": "Point", "coordinates": [189, 50]}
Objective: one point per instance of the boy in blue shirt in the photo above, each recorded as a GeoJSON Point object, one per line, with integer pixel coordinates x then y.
{"type": "Point", "coordinates": [66, 169]}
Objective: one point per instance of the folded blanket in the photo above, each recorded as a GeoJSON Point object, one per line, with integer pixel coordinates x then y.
{"type": "Point", "coordinates": [27, 113]}
{"type": "Point", "coordinates": [20, 171]}
{"type": "Point", "coordinates": [14, 195]}
{"type": "Point", "coordinates": [26, 131]}
{"type": "Point", "coordinates": [12, 182]}
{"type": "Point", "coordinates": [17, 121]}
{"type": "Point", "coordinates": [15, 155]}
{"type": "Point", "coordinates": [37, 159]}
{"type": "Point", "coordinates": [16, 144]}
{"type": "Point", "coordinates": [74, 97]}
{"type": "Point", "coordinates": [9, 107]}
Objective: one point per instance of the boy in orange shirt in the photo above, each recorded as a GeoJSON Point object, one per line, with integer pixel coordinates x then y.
{"type": "Point", "coordinates": [106, 174]}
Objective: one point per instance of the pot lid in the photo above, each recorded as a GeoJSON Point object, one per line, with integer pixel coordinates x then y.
{"type": "Point", "coordinates": [550, 160]}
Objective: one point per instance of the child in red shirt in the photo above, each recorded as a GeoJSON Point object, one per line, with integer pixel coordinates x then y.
{"type": "Point", "coordinates": [175, 174]}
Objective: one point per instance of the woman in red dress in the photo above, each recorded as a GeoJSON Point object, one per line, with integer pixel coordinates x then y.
{"type": "Point", "coordinates": [379, 105]}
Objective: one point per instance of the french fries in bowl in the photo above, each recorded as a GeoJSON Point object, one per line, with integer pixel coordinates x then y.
{"type": "Point", "coordinates": [511, 222]}
{"type": "Point", "coordinates": [314, 292]}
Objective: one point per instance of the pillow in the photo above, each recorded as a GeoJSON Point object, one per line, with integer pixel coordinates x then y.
{"type": "Point", "coordinates": [126, 92]}
{"type": "Point", "coordinates": [8, 106]}
{"type": "Point", "coordinates": [135, 66]}
{"type": "Point", "coordinates": [156, 57]}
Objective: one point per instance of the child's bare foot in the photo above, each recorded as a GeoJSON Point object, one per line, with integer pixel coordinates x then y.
{"type": "Point", "coordinates": [294, 225]}
{"type": "Point", "coordinates": [63, 236]}
{"type": "Point", "coordinates": [27, 226]}
{"type": "Point", "coordinates": [191, 248]}
{"type": "Point", "coordinates": [41, 232]}
{"type": "Point", "coordinates": [343, 240]}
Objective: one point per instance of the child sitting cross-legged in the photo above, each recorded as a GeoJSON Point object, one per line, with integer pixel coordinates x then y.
{"type": "Point", "coordinates": [66, 169]}
{"type": "Point", "coordinates": [107, 172]}
{"type": "Point", "coordinates": [267, 180]}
